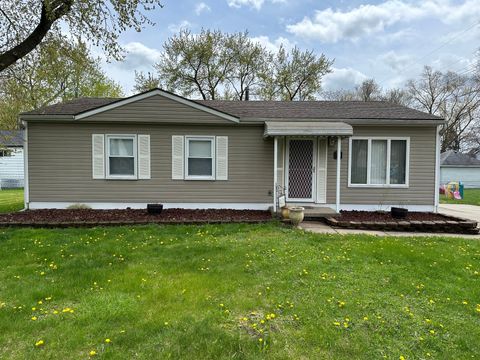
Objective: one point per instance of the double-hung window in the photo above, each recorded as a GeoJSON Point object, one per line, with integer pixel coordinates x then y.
{"type": "Point", "coordinates": [200, 158]}
{"type": "Point", "coordinates": [379, 162]}
{"type": "Point", "coordinates": [121, 156]}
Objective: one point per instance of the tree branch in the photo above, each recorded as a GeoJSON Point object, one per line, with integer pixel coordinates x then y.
{"type": "Point", "coordinates": [47, 18]}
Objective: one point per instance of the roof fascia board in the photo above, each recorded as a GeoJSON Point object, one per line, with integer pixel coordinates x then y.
{"type": "Point", "coordinates": [388, 122]}
{"type": "Point", "coordinates": [44, 117]}
{"type": "Point", "coordinates": [151, 93]}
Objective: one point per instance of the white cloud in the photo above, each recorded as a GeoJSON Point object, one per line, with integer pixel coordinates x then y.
{"type": "Point", "coordinates": [395, 61]}
{"type": "Point", "coordinates": [343, 78]}
{"type": "Point", "coordinates": [138, 56]}
{"type": "Point", "coordinates": [175, 28]}
{"type": "Point", "coordinates": [201, 8]}
{"type": "Point", "coordinates": [334, 25]}
{"type": "Point", "coordinates": [256, 4]}
{"type": "Point", "coordinates": [273, 45]}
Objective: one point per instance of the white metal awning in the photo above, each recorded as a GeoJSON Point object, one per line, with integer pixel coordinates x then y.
{"type": "Point", "coordinates": [307, 128]}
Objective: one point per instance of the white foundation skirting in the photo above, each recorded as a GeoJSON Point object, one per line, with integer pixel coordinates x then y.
{"type": "Point", "coordinates": [99, 205]}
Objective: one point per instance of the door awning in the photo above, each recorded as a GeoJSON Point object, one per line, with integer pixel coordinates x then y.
{"type": "Point", "coordinates": [307, 128]}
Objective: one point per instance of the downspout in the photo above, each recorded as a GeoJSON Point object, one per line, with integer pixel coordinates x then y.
{"type": "Point", "coordinates": [26, 193]}
{"type": "Point", "coordinates": [339, 155]}
{"type": "Point", "coordinates": [437, 169]}
{"type": "Point", "coordinates": [275, 166]}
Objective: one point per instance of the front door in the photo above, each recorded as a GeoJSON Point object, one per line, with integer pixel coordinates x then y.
{"type": "Point", "coordinates": [300, 174]}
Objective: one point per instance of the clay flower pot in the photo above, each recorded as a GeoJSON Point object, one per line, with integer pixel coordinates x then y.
{"type": "Point", "coordinates": [296, 215]}
{"type": "Point", "coordinates": [285, 211]}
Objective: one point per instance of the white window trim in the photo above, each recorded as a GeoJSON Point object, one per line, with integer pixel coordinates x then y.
{"type": "Point", "coordinates": [107, 156]}
{"type": "Point", "coordinates": [387, 185]}
{"type": "Point", "coordinates": [213, 157]}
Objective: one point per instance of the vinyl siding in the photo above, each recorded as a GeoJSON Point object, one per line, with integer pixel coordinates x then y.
{"type": "Point", "coordinates": [60, 165]}
{"type": "Point", "coordinates": [421, 190]}
{"type": "Point", "coordinates": [157, 109]}
{"type": "Point", "coordinates": [469, 176]}
{"type": "Point", "coordinates": [11, 169]}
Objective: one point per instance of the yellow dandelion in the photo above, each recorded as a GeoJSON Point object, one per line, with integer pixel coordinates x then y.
{"type": "Point", "coordinates": [108, 341]}
{"type": "Point", "coordinates": [365, 318]}
{"type": "Point", "coordinates": [401, 357]}
{"type": "Point", "coordinates": [39, 343]}
{"type": "Point", "coordinates": [260, 340]}
{"type": "Point", "coordinates": [34, 318]}
{"type": "Point", "coordinates": [92, 353]}
{"type": "Point", "coordinates": [336, 323]}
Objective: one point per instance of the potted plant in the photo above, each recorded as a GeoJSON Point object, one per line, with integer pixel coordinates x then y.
{"type": "Point", "coordinates": [285, 211]}
{"type": "Point", "coordinates": [296, 214]}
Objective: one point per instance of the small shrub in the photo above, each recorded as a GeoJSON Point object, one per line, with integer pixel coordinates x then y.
{"type": "Point", "coordinates": [78, 207]}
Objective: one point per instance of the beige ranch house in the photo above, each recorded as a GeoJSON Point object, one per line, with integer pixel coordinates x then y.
{"type": "Point", "coordinates": [157, 147]}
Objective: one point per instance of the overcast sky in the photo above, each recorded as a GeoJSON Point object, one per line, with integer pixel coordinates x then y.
{"type": "Point", "coordinates": [387, 40]}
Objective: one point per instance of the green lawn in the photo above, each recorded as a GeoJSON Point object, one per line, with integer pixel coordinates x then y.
{"type": "Point", "coordinates": [235, 291]}
{"type": "Point", "coordinates": [11, 200]}
{"type": "Point", "coordinates": [470, 197]}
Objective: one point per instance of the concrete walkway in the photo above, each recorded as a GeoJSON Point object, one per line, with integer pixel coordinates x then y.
{"type": "Point", "coordinates": [470, 212]}
{"type": "Point", "coordinates": [321, 228]}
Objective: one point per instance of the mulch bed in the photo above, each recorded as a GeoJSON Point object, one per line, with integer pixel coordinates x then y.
{"type": "Point", "coordinates": [90, 217]}
{"type": "Point", "coordinates": [414, 221]}
{"type": "Point", "coordinates": [386, 216]}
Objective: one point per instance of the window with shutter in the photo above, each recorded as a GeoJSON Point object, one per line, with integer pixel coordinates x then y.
{"type": "Point", "coordinates": [222, 157]}
{"type": "Point", "coordinates": [143, 156]}
{"type": "Point", "coordinates": [121, 156]}
{"type": "Point", "coordinates": [98, 156]}
{"type": "Point", "coordinates": [177, 157]}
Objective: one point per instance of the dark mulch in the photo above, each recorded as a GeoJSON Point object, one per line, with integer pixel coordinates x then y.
{"type": "Point", "coordinates": [129, 216]}
{"type": "Point", "coordinates": [386, 216]}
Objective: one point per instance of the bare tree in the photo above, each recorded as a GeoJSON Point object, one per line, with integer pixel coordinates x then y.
{"type": "Point", "coordinates": [396, 96]}
{"type": "Point", "coordinates": [452, 96]}
{"type": "Point", "coordinates": [368, 90]}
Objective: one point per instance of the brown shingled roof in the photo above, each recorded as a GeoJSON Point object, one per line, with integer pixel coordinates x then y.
{"type": "Point", "coordinates": [72, 107]}
{"type": "Point", "coordinates": [318, 110]}
{"type": "Point", "coordinates": [268, 109]}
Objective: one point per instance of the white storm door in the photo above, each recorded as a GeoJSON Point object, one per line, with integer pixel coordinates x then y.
{"type": "Point", "coordinates": [300, 174]}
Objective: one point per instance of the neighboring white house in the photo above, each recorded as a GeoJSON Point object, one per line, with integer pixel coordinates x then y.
{"type": "Point", "coordinates": [455, 166]}
{"type": "Point", "coordinates": [11, 159]}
